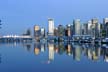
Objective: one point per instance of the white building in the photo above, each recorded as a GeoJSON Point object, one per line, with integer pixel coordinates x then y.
{"type": "Point", "coordinates": [95, 28]}
{"type": "Point", "coordinates": [105, 20]}
{"type": "Point", "coordinates": [42, 32]}
{"type": "Point", "coordinates": [77, 27]}
{"type": "Point", "coordinates": [89, 27]}
{"type": "Point", "coordinates": [50, 27]}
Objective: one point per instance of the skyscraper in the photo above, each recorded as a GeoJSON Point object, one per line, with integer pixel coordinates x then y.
{"type": "Point", "coordinates": [61, 30]}
{"type": "Point", "coordinates": [37, 32]}
{"type": "Point", "coordinates": [55, 31]}
{"type": "Point", "coordinates": [84, 29]}
{"type": "Point", "coordinates": [69, 30]}
{"type": "Point", "coordinates": [105, 22]}
{"type": "Point", "coordinates": [95, 28]}
{"type": "Point", "coordinates": [77, 27]}
{"type": "Point", "coordinates": [89, 27]}
{"type": "Point", "coordinates": [50, 27]}
{"type": "Point", "coordinates": [42, 32]}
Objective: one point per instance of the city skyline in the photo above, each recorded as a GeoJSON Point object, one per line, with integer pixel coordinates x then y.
{"type": "Point", "coordinates": [91, 31]}
{"type": "Point", "coordinates": [27, 13]}
{"type": "Point", "coordinates": [53, 35]}
{"type": "Point", "coordinates": [104, 21]}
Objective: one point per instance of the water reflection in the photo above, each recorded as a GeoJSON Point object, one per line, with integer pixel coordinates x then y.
{"type": "Point", "coordinates": [92, 52]}
{"type": "Point", "coordinates": [77, 51]}
{"type": "Point", "coordinates": [39, 47]}
{"type": "Point", "coordinates": [0, 58]}
{"type": "Point", "coordinates": [51, 51]}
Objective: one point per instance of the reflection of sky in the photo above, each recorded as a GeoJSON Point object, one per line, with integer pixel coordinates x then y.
{"type": "Point", "coordinates": [18, 15]}
{"type": "Point", "coordinates": [76, 51]}
{"type": "Point", "coordinates": [23, 58]}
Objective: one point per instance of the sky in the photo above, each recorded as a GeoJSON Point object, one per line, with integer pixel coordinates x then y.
{"type": "Point", "coordinates": [19, 15]}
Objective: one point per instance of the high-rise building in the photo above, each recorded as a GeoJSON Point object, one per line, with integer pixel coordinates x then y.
{"type": "Point", "coordinates": [105, 23]}
{"type": "Point", "coordinates": [68, 30]}
{"type": "Point", "coordinates": [61, 30]}
{"type": "Point", "coordinates": [77, 27]}
{"type": "Point", "coordinates": [27, 33]}
{"type": "Point", "coordinates": [99, 30]}
{"type": "Point", "coordinates": [84, 29]}
{"type": "Point", "coordinates": [50, 27]}
{"type": "Point", "coordinates": [55, 31]}
{"type": "Point", "coordinates": [37, 32]}
{"type": "Point", "coordinates": [105, 20]}
{"type": "Point", "coordinates": [42, 32]}
{"type": "Point", "coordinates": [95, 28]}
{"type": "Point", "coordinates": [89, 27]}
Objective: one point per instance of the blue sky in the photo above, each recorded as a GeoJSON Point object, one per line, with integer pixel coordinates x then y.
{"type": "Point", "coordinates": [18, 15]}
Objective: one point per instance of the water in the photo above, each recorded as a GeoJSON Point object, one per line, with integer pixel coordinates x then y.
{"type": "Point", "coordinates": [53, 57]}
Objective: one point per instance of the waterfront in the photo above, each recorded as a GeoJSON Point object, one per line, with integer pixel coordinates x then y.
{"type": "Point", "coordinates": [53, 57]}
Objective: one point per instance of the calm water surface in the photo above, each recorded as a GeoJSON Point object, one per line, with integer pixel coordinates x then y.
{"type": "Point", "coordinates": [53, 57]}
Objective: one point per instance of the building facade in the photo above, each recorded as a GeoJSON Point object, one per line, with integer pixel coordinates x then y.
{"type": "Point", "coordinates": [50, 27]}
{"type": "Point", "coordinates": [77, 27]}
{"type": "Point", "coordinates": [37, 33]}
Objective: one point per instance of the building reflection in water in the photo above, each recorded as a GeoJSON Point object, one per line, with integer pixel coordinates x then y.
{"type": "Point", "coordinates": [28, 47]}
{"type": "Point", "coordinates": [105, 53]}
{"type": "Point", "coordinates": [77, 52]}
{"type": "Point", "coordinates": [68, 49]}
{"type": "Point", "coordinates": [37, 48]}
{"type": "Point", "coordinates": [92, 52]}
{"type": "Point", "coordinates": [42, 47]}
{"type": "Point", "coordinates": [61, 48]}
{"type": "Point", "coordinates": [51, 51]}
